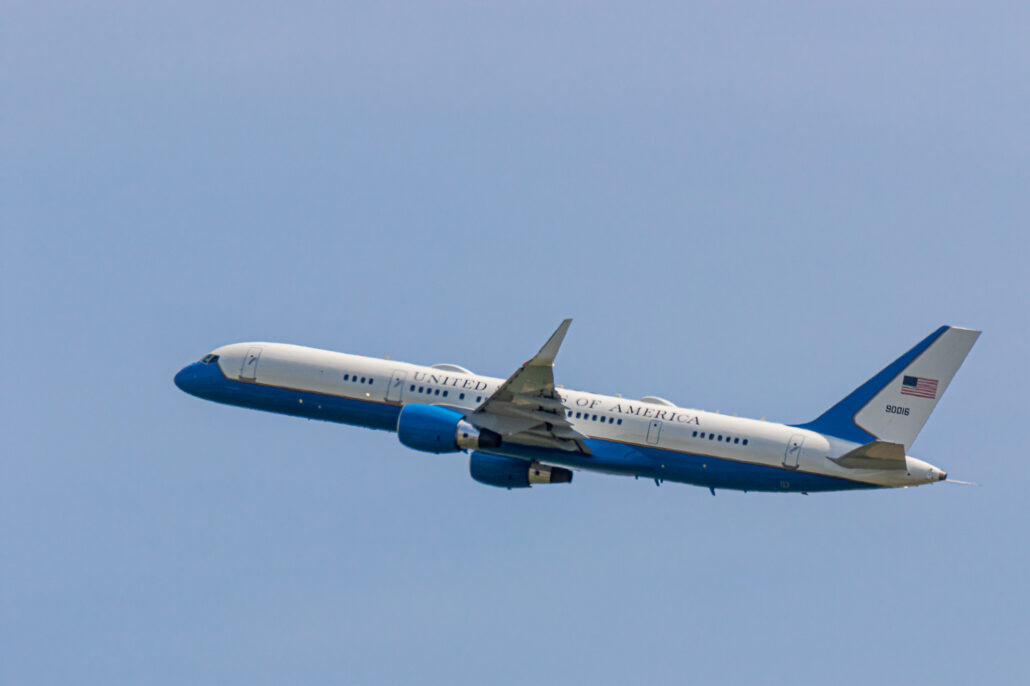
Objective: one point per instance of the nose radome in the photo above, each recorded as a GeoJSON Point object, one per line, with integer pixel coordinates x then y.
{"type": "Point", "coordinates": [183, 378]}
{"type": "Point", "coordinates": [190, 378]}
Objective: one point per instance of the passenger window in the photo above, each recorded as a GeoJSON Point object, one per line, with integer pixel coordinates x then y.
{"type": "Point", "coordinates": [445, 394]}
{"type": "Point", "coordinates": [437, 392]}
{"type": "Point", "coordinates": [619, 422]}
{"type": "Point", "coordinates": [346, 377]}
{"type": "Point", "coordinates": [711, 437]}
{"type": "Point", "coordinates": [702, 434]}
{"type": "Point", "coordinates": [412, 386]}
{"type": "Point", "coordinates": [695, 434]}
{"type": "Point", "coordinates": [421, 389]}
{"type": "Point", "coordinates": [461, 396]}
{"type": "Point", "coordinates": [479, 398]}
{"type": "Point", "coordinates": [736, 440]}
{"type": "Point", "coordinates": [594, 418]}
{"type": "Point", "coordinates": [745, 441]}
{"type": "Point", "coordinates": [577, 415]}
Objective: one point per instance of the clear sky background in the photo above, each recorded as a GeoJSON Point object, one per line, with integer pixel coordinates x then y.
{"type": "Point", "coordinates": [749, 208]}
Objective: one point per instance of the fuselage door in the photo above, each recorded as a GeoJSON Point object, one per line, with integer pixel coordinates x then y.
{"type": "Point", "coordinates": [792, 457]}
{"type": "Point", "coordinates": [396, 389]}
{"type": "Point", "coordinates": [654, 430]}
{"type": "Point", "coordinates": [248, 371]}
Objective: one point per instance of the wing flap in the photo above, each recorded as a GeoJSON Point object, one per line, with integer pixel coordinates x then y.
{"type": "Point", "coordinates": [504, 425]}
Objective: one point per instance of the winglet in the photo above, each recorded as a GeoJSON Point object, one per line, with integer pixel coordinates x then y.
{"type": "Point", "coordinates": [550, 349]}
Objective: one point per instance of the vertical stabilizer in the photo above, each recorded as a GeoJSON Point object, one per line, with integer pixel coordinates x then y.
{"type": "Point", "coordinates": [894, 405]}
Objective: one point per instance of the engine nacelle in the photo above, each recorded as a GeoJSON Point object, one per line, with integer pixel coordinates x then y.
{"type": "Point", "coordinates": [441, 430]}
{"type": "Point", "coordinates": [510, 472]}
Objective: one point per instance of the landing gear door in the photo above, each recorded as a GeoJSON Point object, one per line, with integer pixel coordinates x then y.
{"type": "Point", "coordinates": [396, 389]}
{"type": "Point", "coordinates": [248, 371]}
{"type": "Point", "coordinates": [792, 457]}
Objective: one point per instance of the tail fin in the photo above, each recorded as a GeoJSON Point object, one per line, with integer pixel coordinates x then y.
{"type": "Point", "coordinates": [893, 405]}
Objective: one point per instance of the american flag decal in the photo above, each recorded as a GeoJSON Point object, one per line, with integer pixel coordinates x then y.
{"type": "Point", "coordinates": [919, 387]}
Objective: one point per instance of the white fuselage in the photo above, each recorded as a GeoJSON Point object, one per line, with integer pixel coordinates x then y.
{"type": "Point", "coordinates": [649, 423]}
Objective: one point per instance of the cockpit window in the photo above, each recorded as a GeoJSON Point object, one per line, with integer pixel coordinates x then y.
{"type": "Point", "coordinates": [209, 358]}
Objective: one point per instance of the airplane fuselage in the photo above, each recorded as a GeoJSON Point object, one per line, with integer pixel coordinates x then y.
{"type": "Point", "coordinates": [649, 437]}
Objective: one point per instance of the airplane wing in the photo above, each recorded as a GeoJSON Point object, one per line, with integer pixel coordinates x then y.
{"type": "Point", "coordinates": [526, 409]}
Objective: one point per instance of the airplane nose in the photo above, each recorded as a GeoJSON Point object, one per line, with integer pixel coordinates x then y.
{"type": "Point", "coordinates": [184, 377]}
{"type": "Point", "coordinates": [943, 476]}
{"type": "Point", "coordinates": [190, 379]}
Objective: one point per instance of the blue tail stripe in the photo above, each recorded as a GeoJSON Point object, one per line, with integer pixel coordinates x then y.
{"type": "Point", "coordinates": [839, 420]}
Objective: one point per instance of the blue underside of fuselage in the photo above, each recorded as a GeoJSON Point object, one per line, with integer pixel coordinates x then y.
{"type": "Point", "coordinates": [630, 459]}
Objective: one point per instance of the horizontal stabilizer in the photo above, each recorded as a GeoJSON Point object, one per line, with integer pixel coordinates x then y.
{"type": "Point", "coordinates": [875, 455]}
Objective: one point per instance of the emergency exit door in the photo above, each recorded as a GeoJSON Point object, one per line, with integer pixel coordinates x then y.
{"type": "Point", "coordinates": [654, 430]}
{"type": "Point", "coordinates": [396, 389]}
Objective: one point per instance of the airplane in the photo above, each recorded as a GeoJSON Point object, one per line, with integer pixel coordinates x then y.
{"type": "Point", "coordinates": [525, 430]}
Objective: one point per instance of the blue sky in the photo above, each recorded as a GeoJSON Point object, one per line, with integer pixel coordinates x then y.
{"type": "Point", "coordinates": [748, 208]}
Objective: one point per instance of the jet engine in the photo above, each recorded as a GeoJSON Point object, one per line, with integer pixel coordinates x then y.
{"type": "Point", "coordinates": [437, 429]}
{"type": "Point", "coordinates": [510, 472]}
